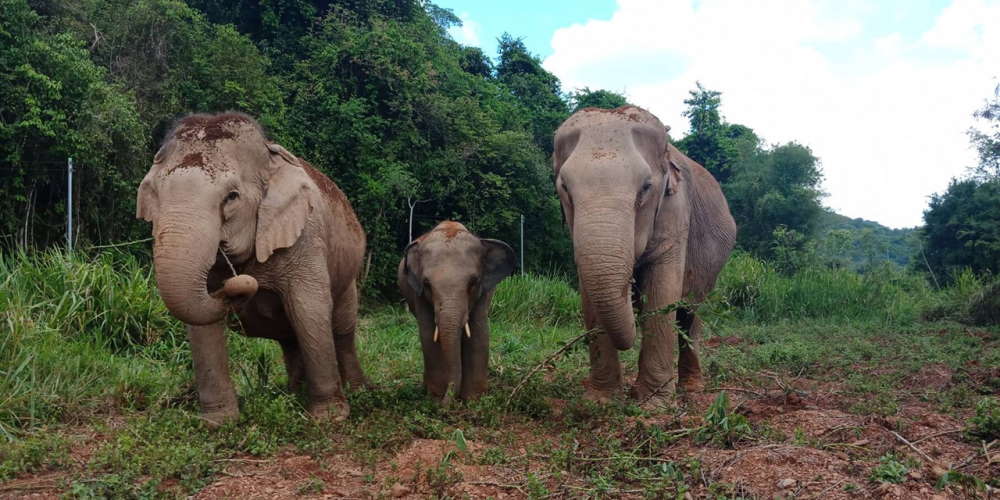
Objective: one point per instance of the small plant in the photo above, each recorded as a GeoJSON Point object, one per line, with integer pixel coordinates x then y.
{"type": "Point", "coordinates": [536, 488]}
{"type": "Point", "coordinates": [313, 485]}
{"type": "Point", "coordinates": [889, 470]}
{"type": "Point", "coordinates": [955, 477]}
{"type": "Point", "coordinates": [985, 425]}
{"type": "Point", "coordinates": [441, 477]}
{"type": "Point", "coordinates": [722, 427]}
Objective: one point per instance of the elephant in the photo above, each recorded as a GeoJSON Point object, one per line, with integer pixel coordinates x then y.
{"type": "Point", "coordinates": [651, 230]}
{"type": "Point", "coordinates": [225, 200]}
{"type": "Point", "coordinates": [448, 277]}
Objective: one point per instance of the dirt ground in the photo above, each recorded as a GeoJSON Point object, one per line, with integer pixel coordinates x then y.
{"type": "Point", "coordinates": [805, 445]}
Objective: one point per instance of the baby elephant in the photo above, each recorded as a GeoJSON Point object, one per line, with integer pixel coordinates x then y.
{"type": "Point", "coordinates": [448, 276]}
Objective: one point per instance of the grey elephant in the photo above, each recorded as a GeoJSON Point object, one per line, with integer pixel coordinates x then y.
{"type": "Point", "coordinates": [448, 277]}
{"type": "Point", "coordinates": [639, 211]}
{"type": "Point", "coordinates": [224, 200]}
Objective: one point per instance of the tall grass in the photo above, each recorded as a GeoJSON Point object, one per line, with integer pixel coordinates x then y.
{"type": "Point", "coordinates": [79, 332]}
{"type": "Point", "coordinates": [758, 292]}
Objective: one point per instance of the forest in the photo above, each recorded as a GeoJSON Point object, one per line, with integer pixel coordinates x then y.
{"type": "Point", "coordinates": [864, 351]}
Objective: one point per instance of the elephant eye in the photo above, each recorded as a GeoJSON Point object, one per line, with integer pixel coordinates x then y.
{"type": "Point", "coordinates": [232, 196]}
{"type": "Point", "coordinates": [645, 187]}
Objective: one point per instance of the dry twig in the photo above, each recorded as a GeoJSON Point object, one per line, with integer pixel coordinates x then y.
{"type": "Point", "coordinates": [544, 362]}
{"type": "Point", "coordinates": [918, 450]}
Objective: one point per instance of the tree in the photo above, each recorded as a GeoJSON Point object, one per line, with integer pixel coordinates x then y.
{"type": "Point", "coordinates": [57, 103]}
{"type": "Point", "coordinates": [537, 89]}
{"type": "Point", "coordinates": [962, 225]}
{"type": "Point", "coordinates": [771, 189]}
{"type": "Point", "coordinates": [586, 98]}
{"type": "Point", "coordinates": [987, 143]}
{"type": "Point", "coordinates": [709, 142]}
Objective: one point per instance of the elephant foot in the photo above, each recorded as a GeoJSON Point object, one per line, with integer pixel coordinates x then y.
{"type": "Point", "coordinates": [692, 384]}
{"type": "Point", "coordinates": [600, 395]}
{"type": "Point", "coordinates": [334, 410]}
{"type": "Point", "coordinates": [659, 398]}
{"type": "Point", "coordinates": [217, 418]}
{"type": "Point", "coordinates": [359, 383]}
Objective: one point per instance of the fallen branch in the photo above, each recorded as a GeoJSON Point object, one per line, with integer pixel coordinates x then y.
{"type": "Point", "coordinates": [911, 445]}
{"type": "Point", "coordinates": [127, 243]}
{"type": "Point", "coordinates": [544, 362]}
{"type": "Point", "coordinates": [936, 434]}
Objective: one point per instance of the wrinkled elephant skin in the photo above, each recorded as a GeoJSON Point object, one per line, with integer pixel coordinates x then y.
{"type": "Point", "coordinates": [448, 276]}
{"type": "Point", "coordinates": [639, 211]}
{"type": "Point", "coordinates": [219, 194]}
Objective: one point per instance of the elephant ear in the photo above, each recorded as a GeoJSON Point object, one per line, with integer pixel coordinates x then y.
{"type": "Point", "coordinates": [412, 267]}
{"type": "Point", "coordinates": [146, 202]}
{"type": "Point", "coordinates": [286, 206]}
{"type": "Point", "coordinates": [498, 263]}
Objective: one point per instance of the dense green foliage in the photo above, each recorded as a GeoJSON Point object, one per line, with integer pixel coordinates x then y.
{"type": "Point", "coordinates": [862, 244]}
{"type": "Point", "coordinates": [962, 225]}
{"type": "Point", "coordinates": [773, 192]}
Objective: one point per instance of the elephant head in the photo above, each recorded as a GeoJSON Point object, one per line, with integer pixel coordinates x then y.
{"type": "Point", "coordinates": [452, 271]}
{"type": "Point", "coordinates": [612, 170]}
{"type": "Point", "coordinates": [217, 185]}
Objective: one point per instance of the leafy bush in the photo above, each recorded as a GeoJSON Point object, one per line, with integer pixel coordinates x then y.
{"type": "Point", "coordinates": [985, 425]}
{"type": "Point", "coordinates": [761, 293]}
{"type": "Point", "coordinates": [889, 470]}
{"type": "Point", "coordinates": [721, 426]}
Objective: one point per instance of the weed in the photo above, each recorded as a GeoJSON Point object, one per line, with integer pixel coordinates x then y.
{"type": "Point", "coordinates": [889, 470]}
{"type": "Point", "coordinates": [985, 424]}
{"type": "Point", "coordinates": [722, 427]}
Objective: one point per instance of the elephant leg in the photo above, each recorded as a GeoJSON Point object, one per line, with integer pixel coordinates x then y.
{"type": "Point", "coordinates": [345, 324]}
{"type": "Point", "coordinates": [476, 350]}
{"type": "Point", "coordinates": [689, 376]}
{"type": "Point", "coordinates": [211, 373]}
{"type": "Point", "coordinates": [293, 363]}
{"type": "Point", "coordinates": [662, 285]}
{"type": "Point", "coordinates": [310, 310]}
{"type": "Point", "coordinates": [605, 367]}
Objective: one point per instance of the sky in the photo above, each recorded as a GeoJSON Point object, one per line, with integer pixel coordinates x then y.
{"type": "Point", "coordinates": [882, 91]}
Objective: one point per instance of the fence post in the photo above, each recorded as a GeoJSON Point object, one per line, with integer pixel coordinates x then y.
{"type": "Point", "coordinates": [521, 246]}
{"type": "Point", "coordinates": [69, 204]}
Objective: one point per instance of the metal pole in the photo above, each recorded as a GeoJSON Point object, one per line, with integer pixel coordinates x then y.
{"type": "Point", "coordinates": [69, 205]}
{"type": "Point", "coordinates": [522, 243]}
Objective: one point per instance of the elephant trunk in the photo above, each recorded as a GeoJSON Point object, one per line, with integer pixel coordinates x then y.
{"type": "Point", "coordinates": [603, 244]}
{"type": "Point", "coordinates": [183, 254]}
{"type": "Point", "coordinates": [451, 319]}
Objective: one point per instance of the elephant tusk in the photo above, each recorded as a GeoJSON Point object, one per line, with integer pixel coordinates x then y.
{"type": "Point", "coordinates": [467, 332]}
{"type": "Point", "coordinates": [435, 333]}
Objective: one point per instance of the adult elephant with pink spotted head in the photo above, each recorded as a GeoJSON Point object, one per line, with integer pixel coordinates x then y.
{"type": "Point", "coordinates": [223, 199]}
{"type": "Point", "coordinates": [644, 218]}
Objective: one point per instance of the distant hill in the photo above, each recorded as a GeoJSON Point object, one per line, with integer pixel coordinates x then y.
{"type": "Point", "coordinates": [862, 240]}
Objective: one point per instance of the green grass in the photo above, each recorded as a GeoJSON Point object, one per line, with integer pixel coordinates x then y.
{"type": "Point", "coordinates": [91, 350]}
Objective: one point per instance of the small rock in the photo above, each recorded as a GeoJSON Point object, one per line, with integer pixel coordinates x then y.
{"type": "Point", "coordinates": [786, 483]}
{"type": "Point", "coordinates": [915, 474]}
{"type": "Point", "coordinates": [938, 471]}
{"type": "Point", "coordinates": [399, 490]}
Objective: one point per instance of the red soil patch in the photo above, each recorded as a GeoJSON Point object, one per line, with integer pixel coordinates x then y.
{"type": "Point", "coordinates": [450, 228]}
{"type": "Point", "coordinates": [211, 127]}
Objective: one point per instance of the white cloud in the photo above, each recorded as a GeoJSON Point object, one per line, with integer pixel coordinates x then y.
{"type": "Point", "coordinates": [467, 33]}
{"type": "Point", "coordinates": [886, 116]}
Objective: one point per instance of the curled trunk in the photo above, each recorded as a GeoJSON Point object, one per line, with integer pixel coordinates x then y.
{"type": "Point", "coordinates": [183, 255]}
